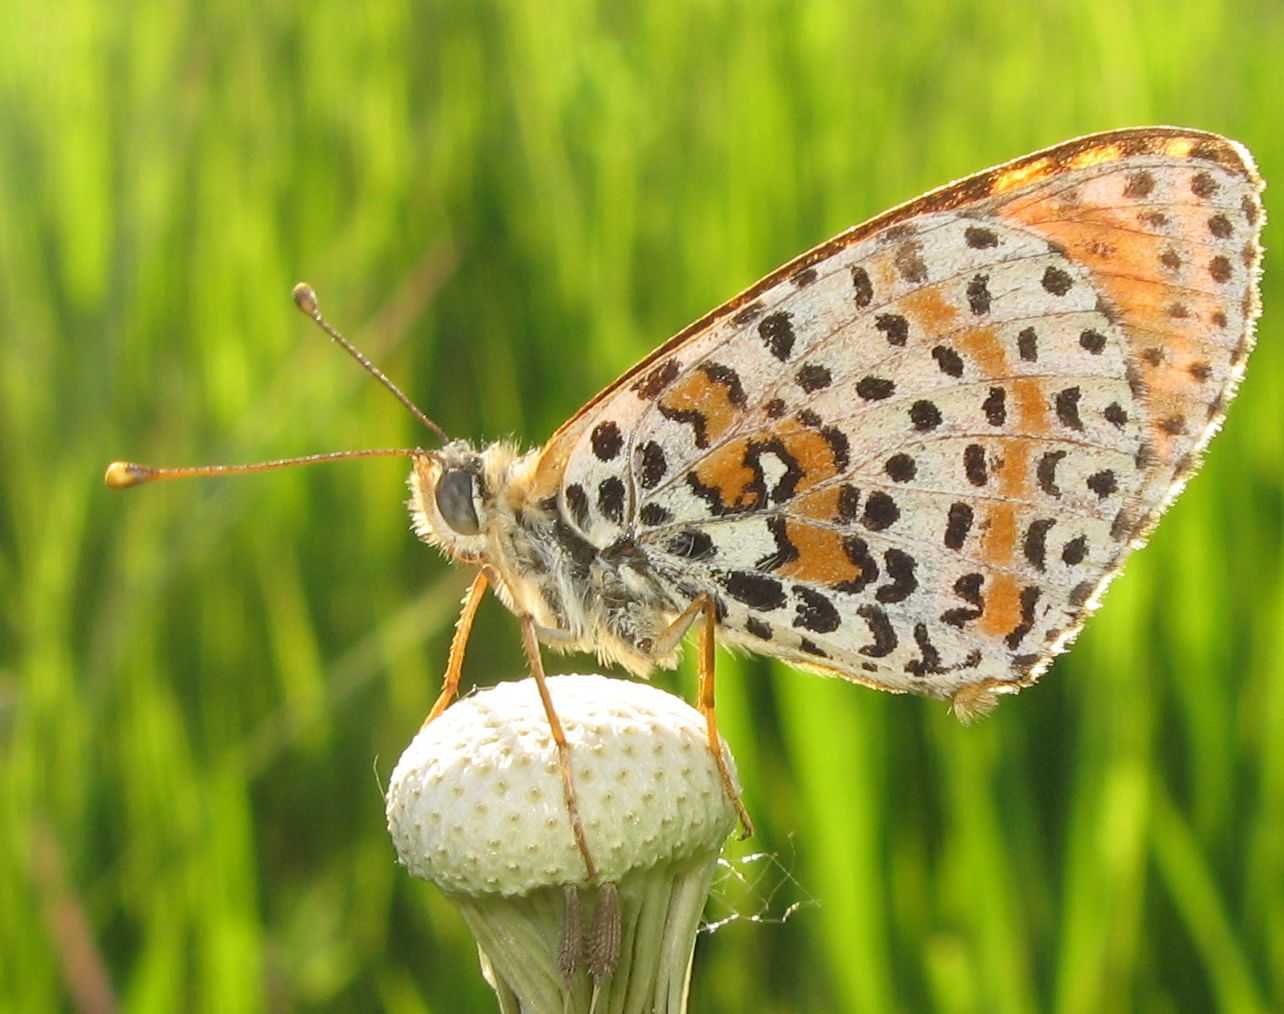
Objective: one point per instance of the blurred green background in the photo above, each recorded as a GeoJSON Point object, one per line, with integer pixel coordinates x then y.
{"type": "Point", "coordinates": [203, 685]}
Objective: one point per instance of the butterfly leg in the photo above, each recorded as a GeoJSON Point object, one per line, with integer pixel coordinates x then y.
{"type": "Point", "coordinates": [455, 661]}
{"type": "Point", "coordinates": [531, 644]}
{"type": "Point", "coordinates": [707, 631]}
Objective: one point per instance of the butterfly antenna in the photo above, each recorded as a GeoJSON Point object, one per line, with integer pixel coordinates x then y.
{"type": "Point", "coordinates": [123, 474]}
{"type": "Point", "coordinates": [306, 300]}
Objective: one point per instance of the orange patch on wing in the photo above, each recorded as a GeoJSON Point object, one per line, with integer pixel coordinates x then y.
{"type": "Point", "coordinates": [818, 505]}
{"type": "Point", "coordinates": [1162, 314]}
{"type": "Point", "coordinates": [1014, 476]}
{"type": "Point", "coordinates": [1002, 605]}
{"type": "Point", "coordinates": [821, 558]}
{"type": "Point", "coordinates": [1031, 405]}
{"type": "Point", "coordinates": [1000, 534]}
{"type": "Point", "coordinates": [1179, 147]}
{"type": "Point", "coordinates": [730, 469]}
{"type": "Point", "coordinates": [698, 393]}
{"type": "Point", "coordinates": [1022, 175]}
{"type": "Point", "coordinates": [1110, 243]}
{"type": "Point", "coordinates": [932, 311]}
{"type": "Point", "coordinates": [812, 452]}
{"type": "Point", "coordinates": [983, 346]}
{"type": "Point", "coordinates": [726, 472]}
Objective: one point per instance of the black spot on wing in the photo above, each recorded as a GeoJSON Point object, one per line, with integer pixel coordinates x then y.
{"type": "Point", "coordinates": [577, 503]}
{"type": "Point", "coordinates": [610, 499]}
{"type": "Point", "coordinates": [1028, 345]}
{"type": "Point", "coordinates": [1066, 402]}
{"type": "Point", "coordinates": [813, 377]}
{"type": "Point", "coordinates": [1029, 598]}
{"type": "Point", "coordinates": [880, 627]}
{"type": "Point", "coordinates": [881, 512]}
{"type": "Point", "coordinates": [777, 332]}
{"type": "Point", "coordinates": [900, 569]}
{"type": "Point", "coordinates": [924, 415]}
{"type": "Point", "coordinates": [1139, 184]}
{"type": "Point", "coordinates": [894, 327]}
{"type": "Point", "coordinates": [958, 524]}
{"type": "Point", "coordinates": [1092, 340]}
{"type": "Point", "coordinates": [863, 288]}
{"type": "Point", "coordinates": [929, 662]}
{"type": "Point", "coordinates": [1081, 592]}
{"type": "Point", "coordinates": [857, 552]}
{"type": "Point", "coordinates": [755, 590]}
{"type": "Point", "coordinates": [1103, 483]}
{"type": "Point", "coordinates": [848, 503]}
{"type": "Point", "coordinates": [967, 588]}
{"type": "Point", "coordinates": [606, 440]}
{"type": "Point", "coordinates": [652, 514]}
{"type": "Point", "coordinates": [948, 360]}
{"type": "Point", "coordinates": [1074, 551]}
{"type": "Point", "coordinates": [689, 417]}
{"type": "Point", "coordinates": [1203, 186]}
{"type": "Point", "coordinates": [909, 262]}
{"type": "Point", "coordinates": [785, 552]}
{"type": "Point", "coordinates": [1046, 472]}
{"type": "Point", "coordinates": [875, 388]}
{"type": "Point", "coordinates": [1035, 544]}
{"type": "Point", "coordinates": [813, 611]}
{"type": "Point", "coordinates": [657, 379]}
{"type": "Point", "coordinates": [839, 446]}
{"type": "Point", "coordinates": [690, 544]}
{"type": "Point", "coordinates": [978, 295]}
{"type": "Point", "coordinates": [1056, 281]}
{"type": "Point", "coordinates": [900, 468]}
{"type": "Point", "coordinates": [974, 465]}
{"type": "Point", "coordinates": [652, 465]}
{"type": "Point", "coordinates": [979, 238]}
{"type": "Point", "coordinates": [995, 407]}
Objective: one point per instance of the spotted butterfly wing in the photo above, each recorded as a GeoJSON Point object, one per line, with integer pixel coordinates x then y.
{"type": "Point", "coordinates": [914, 456]}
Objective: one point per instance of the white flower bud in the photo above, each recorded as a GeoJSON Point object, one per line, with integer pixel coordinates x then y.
{"type": "Point", "coordinates": [476, 806]}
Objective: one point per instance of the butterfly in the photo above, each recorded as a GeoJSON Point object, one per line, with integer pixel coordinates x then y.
{"type": "Point", "coordinates": [913, 457]}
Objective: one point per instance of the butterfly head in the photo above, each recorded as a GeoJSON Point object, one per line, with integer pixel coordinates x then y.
{"type": "Point", "coordinates": [453, 497]}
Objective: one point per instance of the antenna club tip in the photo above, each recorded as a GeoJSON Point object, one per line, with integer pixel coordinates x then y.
{"type": "Point", "coordinates": [305, 299]}
{"type": "Point", "coordinates": [123, 474]}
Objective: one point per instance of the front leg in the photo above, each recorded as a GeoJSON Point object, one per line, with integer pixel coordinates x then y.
{"type": "Point", "coordinates": [531, 644]}
{"type": "Point", "coordinates": [455, 660]}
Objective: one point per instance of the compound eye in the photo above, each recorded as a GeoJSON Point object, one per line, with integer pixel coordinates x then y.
{"type": "Point", "coordinates": [455, 501]}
